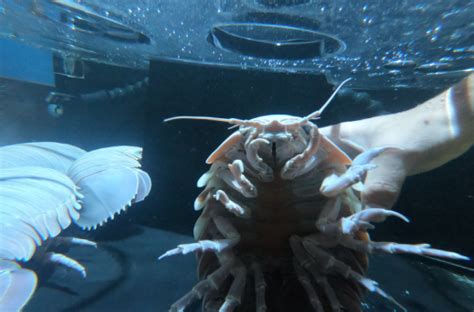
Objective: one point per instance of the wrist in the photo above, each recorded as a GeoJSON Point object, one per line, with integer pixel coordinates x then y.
{"type": "Point", "coordinates": [445, 127]}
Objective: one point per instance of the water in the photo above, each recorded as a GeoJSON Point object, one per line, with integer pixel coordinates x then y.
{"type": "Point", "coordinates": [120, 70]}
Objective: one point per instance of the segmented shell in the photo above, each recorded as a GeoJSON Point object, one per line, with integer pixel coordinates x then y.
{"type": "Point", "coordinates": [51, 155]}
{"type": "Point", "coordinates": [46, 186]}
{"type": "Point", "coordinates": [281, 227]}
{"type": "Point", "coordinates": [110, 180]}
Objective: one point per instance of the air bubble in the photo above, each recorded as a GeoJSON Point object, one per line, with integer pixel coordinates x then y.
{"type": "Point", "coordinates": [367, 20]}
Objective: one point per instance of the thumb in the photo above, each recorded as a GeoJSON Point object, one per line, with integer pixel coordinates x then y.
{"type": "Point", "coordinates": [384, 183]}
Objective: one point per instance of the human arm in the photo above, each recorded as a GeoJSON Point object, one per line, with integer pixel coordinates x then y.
{"type": "Point", "coordinates": [428, 136]}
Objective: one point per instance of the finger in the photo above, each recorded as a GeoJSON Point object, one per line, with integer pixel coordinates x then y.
{"type": "Point", "coordinates": [384, 183]}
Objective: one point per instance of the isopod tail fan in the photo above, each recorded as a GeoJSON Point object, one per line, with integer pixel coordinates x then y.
{"type": "Point", "coordinates": [17, 285]}
{"type": "Point", "coordinates": [44, 188]}
{"type": "Point", "coordinates": [99, 175]}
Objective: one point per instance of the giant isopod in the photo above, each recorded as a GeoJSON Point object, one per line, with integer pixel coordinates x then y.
{"type": "Point", "coordinates": [44, 188]}
{"type": "Point", "coordinates": [282, 226]}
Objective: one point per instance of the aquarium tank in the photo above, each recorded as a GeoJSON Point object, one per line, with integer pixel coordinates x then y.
{"type": "Point", "coordinates": [236, 155]}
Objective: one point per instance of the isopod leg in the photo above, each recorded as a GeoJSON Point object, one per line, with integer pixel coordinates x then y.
{"type": "Point", "coordinates": [64, 260]}
{"type": "Point", "coordinates": [202, 199]}
{"type": "Point", "coordinates": [329, 264]}
{"type": "Point", "coordinates": [390, 247]}
{"type": "Point", "coordinates": [226, 228]}
{"type": "Point", "coordinates": [230, 142]}
{"type": "Point", "coordinates": [305, 281]}
{"type": "Point", "coordinates": [329, 214]}
{"type": "Point", "coordinates": [212, 305]}
{"type": "Point", "coordinates": [232, 206]}
{"type": "Point", "coordinates": [343, 229]}
{"type": "Point", "coordinates": [307, 262]}
{"type": "Point", "coordinates": [69, 241]}
{"type": "Point", "coordinates": [302, 163]}
{"type": "Point", "coordinates": [213, 281]}
{"type": "Point", "coordinates": [357, 221]}
{"type": "Point", "coordinates": [260, 287]}
{"type": "Point", "coordinates": [263, 170]}
{"type": "Point", "coordinates": [234, 295]}
{"type": "Point", "coordinates": [335, 184]}
{"type": "Point", "coordinates": [240, 181]}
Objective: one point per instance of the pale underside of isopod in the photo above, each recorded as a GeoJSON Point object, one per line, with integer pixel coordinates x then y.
{"type": "Point", "coordinates": [282, 226]}
{"type": "Point", "coordinates": [44, 188]}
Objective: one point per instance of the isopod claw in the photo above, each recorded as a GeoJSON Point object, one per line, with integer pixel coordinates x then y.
{"type": "Point", "coordinates": [64, 240]}
{"type": "Point", "coordinates": [304, 162]}
{"type": "Point", "coordinates": [334, 184]}
{"type": "Point", "coordinates": [65, 261]}
{"type": "Point", "coordinates": [264, 171]}
{"type": "Point", "coordinates": [231, 205]}
{"type": "Point", "coordinates": [377, 215]}
{"type": "Point", "coordinates": [358, 221]}
{"type": "Point", "coordinates": [232, 237]}
{"type": "Point", "coordinates": [204, 245]}
{"type": "Point", "coordinates": [240, 181]}
{"type": "Point", "coordinates": [417, 249]}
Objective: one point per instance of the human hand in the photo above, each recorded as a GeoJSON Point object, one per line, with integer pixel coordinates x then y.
{"type": "Point", "coordinates": [426, 136]}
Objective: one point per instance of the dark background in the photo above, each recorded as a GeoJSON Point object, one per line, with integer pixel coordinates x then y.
{"type": "Point", "coordinates": [438, 203]}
